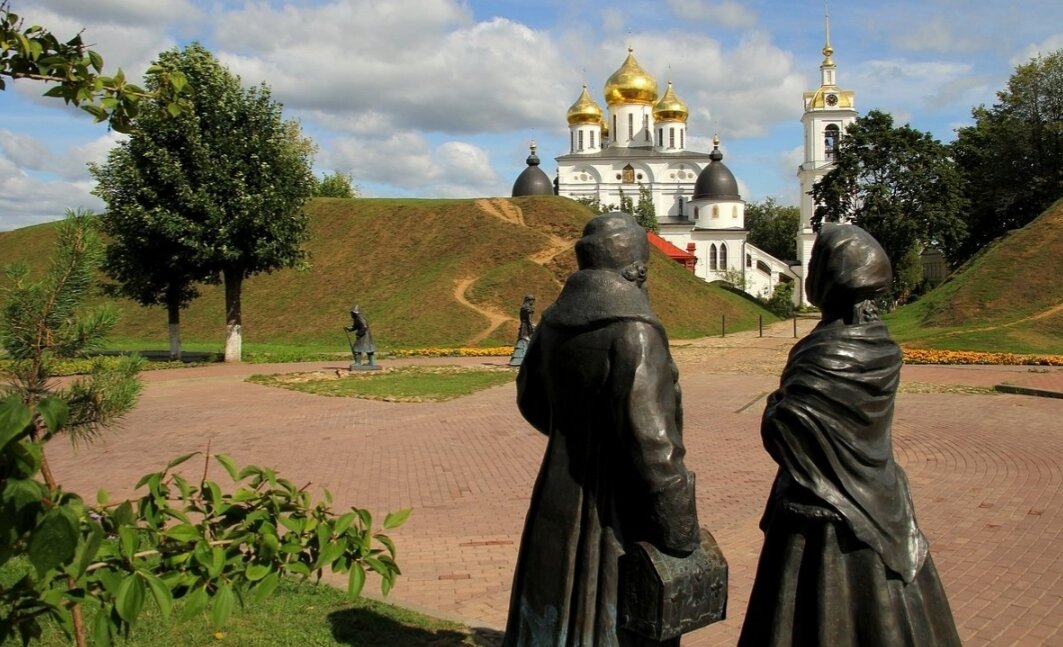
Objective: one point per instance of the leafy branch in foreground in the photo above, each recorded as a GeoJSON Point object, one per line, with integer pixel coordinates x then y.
{"type": "Point", "coordinates": [36, 54]}
{"type": "Point", "coordinates": [179, 540]}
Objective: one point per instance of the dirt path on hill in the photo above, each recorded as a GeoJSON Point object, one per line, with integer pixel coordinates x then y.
{"type": "Point", "coordinates": [1056, 309]}
{"type": "Point", "coordinates": [495, 317]}
{"type": "Point", "coordinates": [507, 212]}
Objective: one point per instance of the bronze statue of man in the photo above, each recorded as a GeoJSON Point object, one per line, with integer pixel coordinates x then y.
{"type": "Point", "coordinates": [844, 563]}
{"type": "Point", "coordinates": [599, 381]}
{"type": "Point", "coordinates": [363, 338]}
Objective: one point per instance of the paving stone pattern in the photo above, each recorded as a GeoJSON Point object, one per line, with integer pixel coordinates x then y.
{"type": "Point", "coordinates": [985, 471]}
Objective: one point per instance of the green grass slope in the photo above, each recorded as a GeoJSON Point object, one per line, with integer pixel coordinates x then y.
{"type": "Point", "coordinates": [401, 260]}
{"type": "Point", "coordinates": [1008, 298]}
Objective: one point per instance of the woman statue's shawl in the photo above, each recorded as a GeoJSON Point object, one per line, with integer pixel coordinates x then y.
{"type": "Point", "coordinates": [828, 428]}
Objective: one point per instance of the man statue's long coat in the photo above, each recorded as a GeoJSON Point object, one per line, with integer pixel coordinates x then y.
{"type": "Point", "coordinates": [599, 381]}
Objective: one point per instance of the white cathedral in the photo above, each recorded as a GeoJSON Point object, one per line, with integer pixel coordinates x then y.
{"type": "Point", "coordinates": [640, 142]}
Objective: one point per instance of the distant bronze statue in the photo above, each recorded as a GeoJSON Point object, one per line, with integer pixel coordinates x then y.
{"type": "Point", "coordinates": [363, 339]}
{"type": "Point", "coordinates": [520, 347]}
{"type": "Point", "coordinates": [599, 381]}
{"type": "Point", "coordinates": [843, 562]}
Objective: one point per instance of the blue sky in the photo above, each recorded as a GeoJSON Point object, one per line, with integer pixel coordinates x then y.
{"type": "Point", "coordinates": [439, 98]}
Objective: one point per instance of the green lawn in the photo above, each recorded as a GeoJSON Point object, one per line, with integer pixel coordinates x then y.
{"type": "Point", "coordinates": [298, 614]}
{"type": "Point", "coordinates": [405, 384]}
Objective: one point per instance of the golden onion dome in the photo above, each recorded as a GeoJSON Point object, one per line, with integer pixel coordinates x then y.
{"type": "Point", "coordinates": [670, 107]}
{"type": "Point", "coordinates": [585, 111]}
{"type": "Point", "coordinates": [605, 128]}
{"type": "Point", "coordinates": [630, 84]}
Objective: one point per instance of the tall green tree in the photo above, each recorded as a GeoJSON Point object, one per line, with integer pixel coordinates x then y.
{"type": "Point", "coordinates": [645, 211]}
{"type": "Point", "coordinates": [1011, 159]}
{"type": "Point", "coordinates": [220, 189]}
{"type": "Point", "coordinates": [773, 227]}
{"type": "Point", "coordinates": [335, 185]}
{"type": "Point", "coordinates": [33, 53]}
{"type": "Point", "coordinates": [900, 185]}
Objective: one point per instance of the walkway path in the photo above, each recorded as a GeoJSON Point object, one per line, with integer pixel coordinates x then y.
{"type": "Point", "coordinates": [986, 472]}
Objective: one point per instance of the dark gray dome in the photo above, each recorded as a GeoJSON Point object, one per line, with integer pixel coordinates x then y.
{"type": "Point", "coordinates": [532, 180]}
{"type": "Point", "coordinates": [716, 182]}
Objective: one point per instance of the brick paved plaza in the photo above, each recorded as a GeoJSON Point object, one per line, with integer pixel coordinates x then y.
{"type": "Point", "coordinates": [985, 471]}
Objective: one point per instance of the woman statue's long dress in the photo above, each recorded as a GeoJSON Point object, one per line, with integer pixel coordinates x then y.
{"type": "Point", "coordinates": [843, 562]}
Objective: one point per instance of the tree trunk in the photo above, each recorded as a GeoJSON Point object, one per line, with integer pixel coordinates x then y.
{"type": "Point", "coordinates": [234, 279]}
{"type": "Point", "coordinates": [173, 313]}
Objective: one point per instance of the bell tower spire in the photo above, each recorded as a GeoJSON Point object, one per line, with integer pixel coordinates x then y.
{"type": "Point", "coordinates": [828, 112]}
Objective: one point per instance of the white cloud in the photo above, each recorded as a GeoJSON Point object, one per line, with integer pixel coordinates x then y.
{"type": "Point", "coordinates": [28, 200]}
{"type": "Point", "coordinates": [1046, 46]}
{"type": "Point", "coordinates": [728, 13]}
{"type": "Point", "coordinates": [409, 162]}
{"type": "Point", "coordinates": [395, 66]}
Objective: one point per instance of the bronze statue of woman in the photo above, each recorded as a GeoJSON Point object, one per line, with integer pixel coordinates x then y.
{"type": "Point", "coordinates": [844, 562]}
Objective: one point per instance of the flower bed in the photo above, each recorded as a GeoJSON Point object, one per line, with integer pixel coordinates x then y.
{"type": "Point", "coordinates": [929, 356]}
{"type": "Point", "coordinates": [495, 351]}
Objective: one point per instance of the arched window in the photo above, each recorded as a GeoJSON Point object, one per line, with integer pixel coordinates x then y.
{"type": "Point", "coordinates": [712, 256]}
{"type": "Point", "coordinates": [671, 138]}
{"type": "Point", "coordinates": [572, 142]}
{"type": "Point", "coordinates": [715, 211]}
{"type": "Point", "coordinates": [592, 139]}
{"type": "Point", "coordinates": [646, 127]}
{"type": "Point", "coordinates": [630, 126]}
{"type": "Point", "coordinates": [580, 140]}
{"type": "Point", "coordinates": [749, 261]}
{"type": "Point", "coordinates": [734, 211]}
{"type": "Point", "coordinates": [682, 138]}
{"type": "Point", "coordinates": [696, 209]}
{"type": "Point", "coordinates": [830, 142]}
{"type": "Point", "coordinates": [723, 256]}
{"type": "Point", "coordinates": [660, 136]}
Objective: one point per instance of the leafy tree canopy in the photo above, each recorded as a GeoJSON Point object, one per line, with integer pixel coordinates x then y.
{"type": "Point", "coordinates": [335, 185]}
{"type": "Point", "coordinates": [773, 227]}
{"type": "Point", "coordinates": [219, 189]}
{"type": "Point", "coordinates": [900, 185]}
{"type": "Point", "coordinates": [34, 53]}
{"type": "Point", "coordinates": [1011, 159]}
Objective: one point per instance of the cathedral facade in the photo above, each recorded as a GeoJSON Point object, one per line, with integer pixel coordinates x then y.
{"type": "Point", "coordinates": [637, 147]}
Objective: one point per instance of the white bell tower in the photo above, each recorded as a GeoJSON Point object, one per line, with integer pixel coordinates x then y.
{"type": "Point", "coordinates": [828, 112]}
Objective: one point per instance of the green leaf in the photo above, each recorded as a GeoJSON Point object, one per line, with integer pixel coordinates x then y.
{"type": "Point", "coordinates": [266, 587]}
{"type": "Point", "coordinates": [128, 541]}
{"type": "Point", "coordinates": [101, 627]}
{"type": "Point", "coordinates": [180, 459]}
{"type": "Point", "coordinates": [344, 522]}
{"type": "Point", "coordinates": [184, 532]}
{"type": "Point", "coordinates": [329, 553]}
{"type": "Point", "coordinates": [56, 92]}
{"type": "Point", "coordinates": [228, 464]}
{"type": "Point", "coordinates": [96, 111]}
{"type": "Point", "coordinates": [55, 541]}
{"type": "Point", "coordinates": [123, 514]}
{"type": "Point", "coordinates": [96, 60]}
{"type": "Point", "coordinates": [102, 496]}
{"type": "Point", "coordinates": [376, 565]}
{"type": "Point", "coordinates": [159, 591]}
{"type": "Point", "coordinates": [15, 418]}
{"type": "Point", "coordinates": [396, 519]}
{"type": "Point", "coordinates": [224, 600]}
{"type": "Point", "coordinates": [217, 561]}
{"type": "Point", "coordinates": [130, 599]}
{"type": "Point", "coordinates": [355, 581]}
{"type": "Point", "coordinates": [384, 539]}
{"type": "Point", "coordinates": [54, 412]}
{"type": "Point", "coordinates": [256, 572]}
{"type": "Point", "coordinates": [195, 602]}
{"type": "Point", "coordinates": [89, 548]}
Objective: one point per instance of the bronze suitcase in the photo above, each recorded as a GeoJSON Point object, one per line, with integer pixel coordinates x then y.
{"type": "Point", "coordinates": [662, 596]}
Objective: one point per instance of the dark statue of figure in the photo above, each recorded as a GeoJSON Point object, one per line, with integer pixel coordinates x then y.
{"type": "Point", "coordinates": [844, 562]}
{"type": "Point", "coordinates": [363, 339]}
{"type": "Point", "coordinates": [599, 381]}
{"type": "Point", "coordinates": [527, 309]}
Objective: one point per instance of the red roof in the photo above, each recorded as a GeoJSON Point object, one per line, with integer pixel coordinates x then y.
{"type": "Point", "coordinates": [674, 253]}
